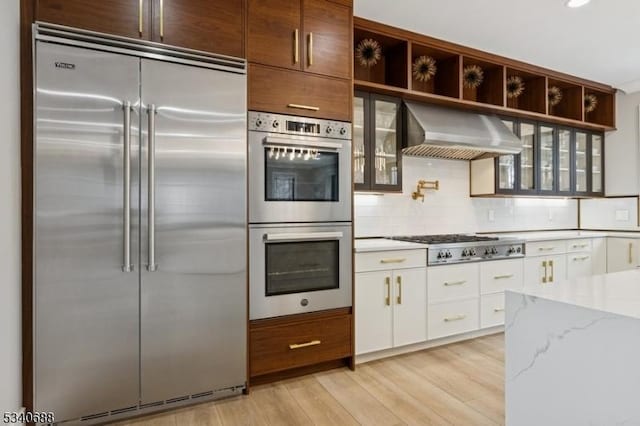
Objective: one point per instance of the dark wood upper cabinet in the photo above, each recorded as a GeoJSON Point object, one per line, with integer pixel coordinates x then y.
{"type": "Point", "coordinates": [327, 32]}
{"type": "Point", "coordinates": [128, 18]}
{"type": "Point", "coordinates": [274, 33]}
{"type": "Point", "coordinates": [207, 25]}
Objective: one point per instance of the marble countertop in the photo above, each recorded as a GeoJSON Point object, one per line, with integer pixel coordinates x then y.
{"type": "Point", "coordinates": [383, 244]}
{"type": "Point", "coordinates": [616, 293]}
{"type": "Point", "coordinates": [554, 235]}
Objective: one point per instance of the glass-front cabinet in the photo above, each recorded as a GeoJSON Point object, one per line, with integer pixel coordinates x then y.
{"type": "Point", "coordinates": [507, 165]}
{"type": "Point", "coordinates": [377, 142]}
{"type": "Point", "coordinates": [527, 157]}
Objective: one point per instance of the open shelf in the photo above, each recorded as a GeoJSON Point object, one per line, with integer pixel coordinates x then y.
{"type": "Point", "coordinates": [446, 81]}
{"type": "Point", "coordinates": [491, 91]}
{"type": "Point", "coordinates": [534, 97]}
{"type": "Point", "coordinates": [570, 105]}
{"type": "Point", "coordinates": [391, 69]}
{"type": "Point", "coordinates": [604, 112]}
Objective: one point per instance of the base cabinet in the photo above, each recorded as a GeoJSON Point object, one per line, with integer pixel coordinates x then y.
{"type": "Point", "coordinates": [622, 254]}
{"type": "Point", "coordinates": [545, 270]}
{"type": "Point", "coordinates": [449, 318]}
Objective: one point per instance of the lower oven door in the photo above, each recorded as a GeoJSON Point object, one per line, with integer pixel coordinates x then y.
{"type": "Point", "coordinates": [299, 268]}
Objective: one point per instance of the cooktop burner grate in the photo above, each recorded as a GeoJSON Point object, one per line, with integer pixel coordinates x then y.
{"type": "Point", "coordinates": [444, 238]}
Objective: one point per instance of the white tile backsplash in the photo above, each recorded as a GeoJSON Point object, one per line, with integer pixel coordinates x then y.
{"type": "Point", "coordinates": [451, 209]}
{"type": "Point", "coordinates": [620, 214]}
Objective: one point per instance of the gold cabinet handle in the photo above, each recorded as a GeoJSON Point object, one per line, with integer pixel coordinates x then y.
{"type": "Point", "coordinates": [393, 260]}
{"type": "Point", "coordinates": [630, 253]}
{"type": "Point", "coordinates": [551, 265]}
{"type": "Point", "coordinates": [399, 298]}
{"type": "Point", "coordinates": [296, 46]}
{"type": "Point", "coordinates": [455, 318]}
{"type": "Point", "coordinates": [580, 258]}
{"type": "Point", "coordinates": [498, 309]}
{"type": "Point", "coordinates": [503, 277]}
{"type": "Point", "coordinates": [580, 245]}
{"type": "Point", "coordinates": [545, 248]}
{"type": "Point", "coordinates": [305, 107]}
{"type": "Point", "coordinates": [140, 7]}
{"type": "Point", "coordinates": [310, 51]}
{"type": "Point", "coordinates": [161, 18]}
{"type": "Point", "coordinates": [387, 283]}
{"type": "Point", "coordinates": [544, 265]}
{"type": "Point", "coordinates": [304, 345]}
{"type": "Point", "coordinates": [448, 284]}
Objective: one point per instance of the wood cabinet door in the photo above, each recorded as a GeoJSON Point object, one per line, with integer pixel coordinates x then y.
{"type": "Point", "coordinates": [209, 25]}
{"type": "Point", "coordinates": [374, 311]}
{"type": "Point", "coordinates": [327, 38]}
{"type": "Point", "coordinates": [274, 33]}
{"type": "Point", "coordinates": [128, 18]}
{"type": "Point", "coordinates": [409, 306]}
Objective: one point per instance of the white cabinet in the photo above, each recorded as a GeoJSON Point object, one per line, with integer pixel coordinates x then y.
{"type": "Point", "coordinates": [599, 256]}
{"type": "Point", "coordinates": [499, 275]}
{"type": "Point", "coordinates": [391, 304]}
{"type": "Point", "coordinates": [491, 310]}
{"type": "Point", "coordinates": [579, 265]}
{"type": "Point", "coordinates": [622, 254]}
{"type": "Point", "coordinates": [456, 317]}
{"type": "Point", "coordinates": [544, 270]}
{"type": "Point", "coordinates": [452, 282]}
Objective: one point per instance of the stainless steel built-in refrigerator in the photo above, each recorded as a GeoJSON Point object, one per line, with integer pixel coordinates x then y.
{"type": "Point", "coordinates": [140, 226]}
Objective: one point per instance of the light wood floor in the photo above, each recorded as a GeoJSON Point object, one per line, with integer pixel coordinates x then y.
{"type": "Point", "coordinates": [458, 384]}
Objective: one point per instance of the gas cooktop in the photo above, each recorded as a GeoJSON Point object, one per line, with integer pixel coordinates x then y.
{"type": "Point", "coordinates": [459, 248]}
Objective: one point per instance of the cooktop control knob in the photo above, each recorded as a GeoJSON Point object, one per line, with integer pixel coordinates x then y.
{"type": "Point", "coordinates": [258, 122]}
{"type": "Point", "coordinates": [329, 130]}
{"type": "Point", "coordinates": [494, 250]}
{"type": "Point", "coordinates": [343, 131]}
{"type": "Point", "coordinates": [472, 252]}
{"type": "Point", "coordinates": [449, 254]}
{"type": "Point", "coordinates": [275, 124]}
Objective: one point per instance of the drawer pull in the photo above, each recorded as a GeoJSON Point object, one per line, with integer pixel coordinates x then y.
{"type": "Point", "coordinates": [503, 277]}
{"type": "Point", "coordinates": [305, 107]}
{"type": "Point", "coordinates": [396, 260]}
{"type": "Point", "coordinates": [455, 318]}
{"type": "Point", "coordinates": [304, 345]}
{"type": "Point", "coordinates": [551, 266]}
{"type": "Point", "coordinates": [545, 248]}
{"type": "Point", "coordinates": [399, 298]}
{"type": "Point", "coordinates": [580, 245]}
{"type": "Point", "coordinates": [580, 258]}
{"type": "Point", "coordinates": [387, 283]}
{"type": "Point", "coordinates": [498, 309]}
{"type": "Point", "coordinates": [448, 284]}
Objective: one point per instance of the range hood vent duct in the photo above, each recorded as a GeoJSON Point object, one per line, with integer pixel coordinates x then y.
{"type": "Point", "coordinates": [435, 131]}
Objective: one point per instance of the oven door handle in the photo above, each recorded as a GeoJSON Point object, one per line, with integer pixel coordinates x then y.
{"type": "Point", "coordinates": [301, 142]}
{"type": "Point", "coordinates": [303, 236]}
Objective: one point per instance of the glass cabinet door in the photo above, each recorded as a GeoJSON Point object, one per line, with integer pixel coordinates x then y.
{"type": "Point", "coordinates": [385, 132]}
{"type": "Point", "coordinates": [596, 164]}
{"type": "Point", "coordinates": [564, 160]}
{"type": "Point", "coordinates": [359, 156]}
{"type": "Point", "coordinates": [527, 156]}
{"type": "Point", "coordinates": [547, 158]}
{"type": "Point", "coordinates": [507, 165]}
{"type": "Point", "coordinates": [581, 162]}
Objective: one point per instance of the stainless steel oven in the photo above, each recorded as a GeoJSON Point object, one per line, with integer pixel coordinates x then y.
{"type": "Point", "coordinates": [299, 169]}
{"type": "Point", "coordinates": [298, 268]}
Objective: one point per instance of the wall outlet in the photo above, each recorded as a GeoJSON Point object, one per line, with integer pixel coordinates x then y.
{"type": "Point", "coordinates": [622, 215]}
{"type": "Point", "coordinates": [492, 215]}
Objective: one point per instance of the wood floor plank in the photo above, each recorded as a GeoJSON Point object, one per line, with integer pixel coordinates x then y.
{"type": "Point", "coordinates": [200, 415]}
{"type": "Point", "coordinates": [358, 401]}
{"type": "Point", "coordinates": [239, 410]}
{"type": "Point", "coordinates": [319, 405]}
{"type": "Point", "coordinates": [277, 405]}
{"type": "Point", "coordinates": [490, 407]}
{"type": "Point", "coordinates": [163, 419]}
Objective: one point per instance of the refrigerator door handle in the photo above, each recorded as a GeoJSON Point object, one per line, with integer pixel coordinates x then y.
{"type": "Point", "coordinates": [126, 192]}
{"type": "Point", "coordinates": [151, 200]}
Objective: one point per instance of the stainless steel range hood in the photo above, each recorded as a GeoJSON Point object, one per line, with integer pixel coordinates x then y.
{"type": "Point", "coordinates": [435, 131]}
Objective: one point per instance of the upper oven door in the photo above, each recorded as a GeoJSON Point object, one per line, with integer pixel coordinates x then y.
{"type": "Point", "coordinates": [298, 179]}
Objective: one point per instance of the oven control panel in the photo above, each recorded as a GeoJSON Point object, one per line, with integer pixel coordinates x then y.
{"type": "Point", "coordinates": [293, 125]}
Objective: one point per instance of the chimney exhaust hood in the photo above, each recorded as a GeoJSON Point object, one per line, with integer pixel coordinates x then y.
{"type": "Point", "coordinates": [435, 131]}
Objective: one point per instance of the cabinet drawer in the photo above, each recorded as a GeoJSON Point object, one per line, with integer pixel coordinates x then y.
{"type": "Point", "coordinates": [545, 248]}
{"type": "Point", "coordinates": [299, 93]}
{"type": "Point", "coordinates": [385, 260]}
{"type": "Point", "coordinates": [579, 265]}
{"type": "Point", "coordinates": [583, 244]}
{"type": "Point", "coordinates": [491, 310]}
{"type": "Point", "coordinates": [451, 282]}
{"type": "Point", "coordinates": [446, 319]}
{"type": "Point", "coordinates": [499, 275]}
{"type": "Point", "coordinates": [285, 346]}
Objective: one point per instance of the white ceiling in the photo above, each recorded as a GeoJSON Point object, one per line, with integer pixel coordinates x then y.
{"type": "Point", "coordinates": [600, 41]}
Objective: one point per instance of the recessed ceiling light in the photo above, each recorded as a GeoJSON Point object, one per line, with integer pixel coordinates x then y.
{"type": "Point", "coordinates": [577, 3]}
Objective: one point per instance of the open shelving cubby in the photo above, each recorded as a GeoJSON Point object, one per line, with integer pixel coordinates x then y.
{"type": "Point", "coordinates": [534, 97]}
{"type": "Point", "coordinates": [391, 69]}
{"type": "Point", "coordinates": [446, 81]}
{"type": "Point", "coordinates": [570, 105]}
{"type": "Point", "coordinates": [605, 110]}
{"type": "Point", "coordinates": [492, 89]}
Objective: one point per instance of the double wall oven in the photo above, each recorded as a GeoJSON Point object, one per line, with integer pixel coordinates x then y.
{"type": "Point", "coordinates": [300, 231]}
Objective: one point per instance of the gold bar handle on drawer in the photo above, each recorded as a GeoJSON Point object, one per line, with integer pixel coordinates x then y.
{"type": "Point", "coordinates": [455, 318]}
{"type": "Point", "coordinates": [503, 277]}
{"type": "Point", "coordinates": [304, 345]}
{"type": "Point", "coordinates": [161, 18]}
{"type": "Point", "coordinates": [387, 283]}
{"type": "Point", "coordinates": [305, 107]}
{"type": "Point", "coordinates": [393, 260]}
{"type": "Point", "coordinates": [545, 248]}
{"type": "Point", "coordinates": [544, 265]}
{"type": "Point", "coordinates": [630, 253]}
{"type": "Point", "coordinates": [498, 309]}
{"type": "Point", "coordinates": [551, 266]}
{"type": "Point", "coordinates": [399, 298]}
{"type": "Point", "coordinates": [580, 258]}
{"type": "Point", "coordinates": [447, 284]}
{"type": "Point", "coordinates": [580, 245]}
{"type": "Point", "coordinates": [310, 51]}
{"type": "Point", "coordinates": [140, 7]}
{"type": "Point", "coordinates": [296, 47]}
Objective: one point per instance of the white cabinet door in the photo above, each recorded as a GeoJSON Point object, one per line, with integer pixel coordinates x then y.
{"type": "Point", "coordinates": [498, 275]}
{"type": "Point", "coordinates": [373, 311]}
{"type": "Point", "coordinates": [579, 265]}
{"type": "Point", "coordinates": [491, 310]}
{"type": "Point", "coordinates": [599, 256]}
{"type": "Point", "coordinates": [453, 282]}
{"type": "Point", "coordinates": [409, 306]}
{"type": "Point", "coordinates": [622, 254]}
{"type": "Point", "coordinates": [544, 270]}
